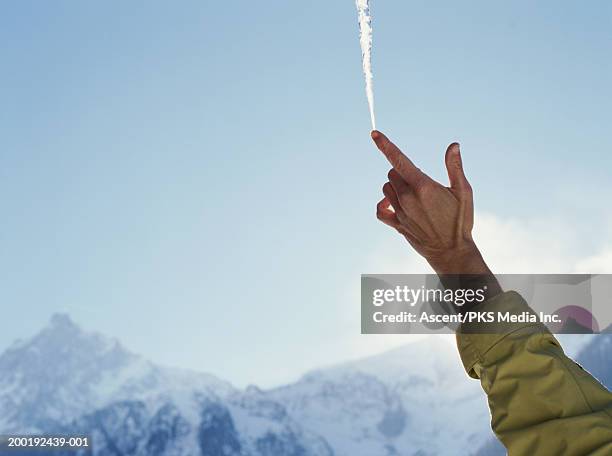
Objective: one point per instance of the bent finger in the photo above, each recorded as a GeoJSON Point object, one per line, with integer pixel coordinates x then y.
{"type": "Point", "coordinates": [389, 192]}
{"type": "Point", "coordinates": [404, 193]}
{"type": "Point", "coordinates": [386, 215]}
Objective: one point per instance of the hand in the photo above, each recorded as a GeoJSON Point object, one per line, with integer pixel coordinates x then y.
{"type": "Point", "coordinates": [436, 220]}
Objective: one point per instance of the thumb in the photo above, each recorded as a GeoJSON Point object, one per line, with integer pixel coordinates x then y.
{"type": "Point", "coordinates": [454, 166]}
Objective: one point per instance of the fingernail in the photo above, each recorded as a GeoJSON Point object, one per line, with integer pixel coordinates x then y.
{"type": "Point", "coordinates": [375, 134]}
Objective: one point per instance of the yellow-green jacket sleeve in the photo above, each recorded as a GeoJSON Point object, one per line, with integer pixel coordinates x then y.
{"type": "Point", "coordinates": [542, 403]}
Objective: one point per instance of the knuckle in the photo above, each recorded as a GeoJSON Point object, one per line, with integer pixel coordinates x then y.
{"type": "Point", "coordinates": [422, 187]}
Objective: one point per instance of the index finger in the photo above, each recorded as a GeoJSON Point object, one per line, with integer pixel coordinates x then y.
{"type": "Point", "coordinates": [396, 157]}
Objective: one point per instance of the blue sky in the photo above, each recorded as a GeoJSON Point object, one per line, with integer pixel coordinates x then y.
{"type": "Point", "coordinates": [197, 178]}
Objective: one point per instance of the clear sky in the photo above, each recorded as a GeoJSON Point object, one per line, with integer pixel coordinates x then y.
{"type": "Point", "coordinates": [196, 178]}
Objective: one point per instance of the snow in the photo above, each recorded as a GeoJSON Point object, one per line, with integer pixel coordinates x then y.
{"type": "Point", "coordinates": [413, 398]}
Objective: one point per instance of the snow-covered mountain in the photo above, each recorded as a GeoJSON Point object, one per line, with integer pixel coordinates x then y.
{"type": "Point", "coordinates": [65, 380]}
{"type": "Point", "coordinates": [414, 400]}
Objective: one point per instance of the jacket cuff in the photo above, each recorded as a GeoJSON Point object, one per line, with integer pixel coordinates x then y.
{"type": "Point", "coordinates": [475, 339]}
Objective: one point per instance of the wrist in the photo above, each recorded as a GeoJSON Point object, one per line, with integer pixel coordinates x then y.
{"type": "Point", "coordinates": [463, 259]}
{"type": "Point", "coordinates": [465, 268]}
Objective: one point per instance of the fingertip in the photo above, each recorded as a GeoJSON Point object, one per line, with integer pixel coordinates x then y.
{"type": "Point", "coordinates": [454, 165]}
{"type": "Point", "coordinates": [375, 134]}
{"type": "Point", "coordinates": [453, 152]}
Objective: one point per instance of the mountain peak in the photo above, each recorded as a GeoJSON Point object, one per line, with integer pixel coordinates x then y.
{"type": "Point", "coordinates": [58, 373]}
{"type": "Point", "coordinates": [65, 346]}
{"type": "Point", "coordinates": [62, 321]}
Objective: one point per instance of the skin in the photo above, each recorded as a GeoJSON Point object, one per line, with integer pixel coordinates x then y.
{"type": "Point", "coordinates": [436, 220]}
